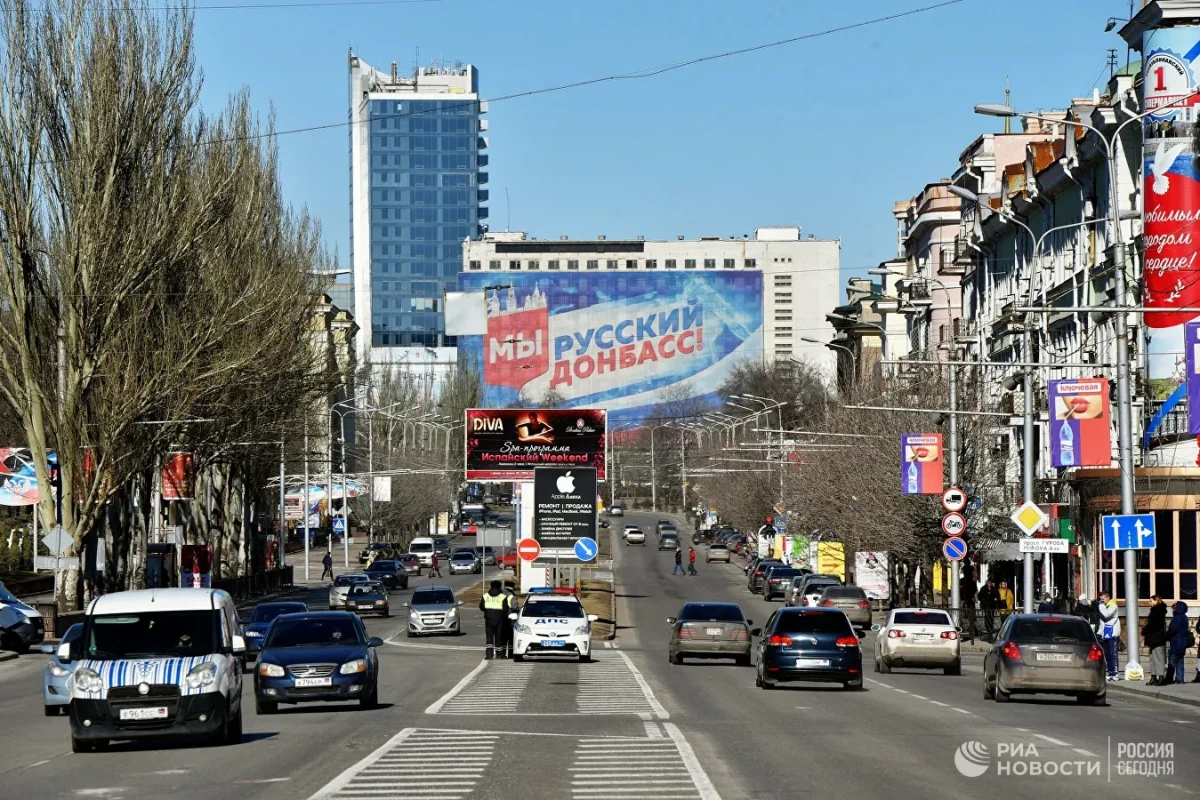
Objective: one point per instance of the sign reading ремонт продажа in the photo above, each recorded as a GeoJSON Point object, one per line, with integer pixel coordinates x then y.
{"type": "Point", "coordinates": [564, 509]}
{"type": "Point", "coordinates": [504, 444]}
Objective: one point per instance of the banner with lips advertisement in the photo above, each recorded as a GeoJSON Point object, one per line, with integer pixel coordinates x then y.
{"type": "Point", "coordinates": [1080, 423]}
{"type": "Point", "coordinates": [614, 341]}
{"type": "Point", "coordinates": [1171, 199]}
{"type": "Point", "coordinates": [921, 468]}
{"type": "Point", "coordinates": [508, 444]}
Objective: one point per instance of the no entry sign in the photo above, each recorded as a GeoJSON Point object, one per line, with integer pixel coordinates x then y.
{"type": "Point", "coordinates": [528, 549]}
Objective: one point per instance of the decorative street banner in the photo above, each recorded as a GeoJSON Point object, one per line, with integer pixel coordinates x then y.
{"type": "Point", "coordinates": [177, 476]}
{"type": "Point", "coordinates": [613, 341]}
{"type": "Point", "coordinates": [1171, 199]}
{"type": "Point", "coordinates": [1192, 357]}
{"type": "Point", "coordinates": [921, 454]}
{"type": "Point", "coordinates": [871, 573]}
{"type": "Point", "coordinates": [195, 572]}
{"type": "Point", "coordinates": [1080, 424]}
{"type": "Point", "coordinates": [18, 477]}
{"type": "Point", "coordinates": [507, 444]}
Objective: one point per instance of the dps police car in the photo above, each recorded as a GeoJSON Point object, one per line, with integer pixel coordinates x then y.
{"type": "Point", "coordinates": [552, 624]}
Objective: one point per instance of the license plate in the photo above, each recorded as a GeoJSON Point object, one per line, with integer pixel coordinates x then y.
{"type": "Point", "coordinates": [554, 643]}
{"type": "Point", "coordinates": [923, 637]}
{"type": "Point", "coordinates": [714, 631]}
{"type": "Point", "coordinates": [159, 712]}
{"type": "Point", "coordinates": [302, 682]}
{"type": "Point", "coordinates": [812, 662]}
{"type": "Point", "coordinates": [1053, 657]}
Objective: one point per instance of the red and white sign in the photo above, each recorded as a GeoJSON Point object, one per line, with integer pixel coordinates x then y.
{"type": "Point", "coordinates": [954, 524]}
{"type": "Point", "coordinates": [528, 549]}
{"type": "Point", "coordinates": [954, 499]}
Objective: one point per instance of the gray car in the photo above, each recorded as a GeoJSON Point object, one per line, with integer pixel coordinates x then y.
{"type": "Point", "coordinates": [464, 560]}
{"type": "Point", "coordinates": [808, 589]}
{"type": "Point", "coordinates": [710, 630]}
{"type": "Point", "coordinates": [1045, 653]}
{"type": "Point", "coordinates": [852, 600]}
{"type": "Point", "coordinates": [56, 694]}
{"type": "Point", "coordinates": [716, 552]}
{"type": "Point", "coordinates": [433, 609]}
{"type": "Point", "coordinates": [668, 541]}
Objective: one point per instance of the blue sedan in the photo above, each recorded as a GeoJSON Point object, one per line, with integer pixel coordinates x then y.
{"type": "Point", "coordinates": [317, 656]}
{"type": "Point", "coordinates": [809, 644]}
{"type": "Point", "coordinates": [260, 621]}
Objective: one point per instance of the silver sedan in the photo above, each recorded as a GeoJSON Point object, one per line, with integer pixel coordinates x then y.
{"type": "Point", "coordinates": [56, 695]}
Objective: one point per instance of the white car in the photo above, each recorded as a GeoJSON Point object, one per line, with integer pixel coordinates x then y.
{"type": "Point", "coordinates": [634, 535]}
{"type": "Point", "coordinates": [917, 637]}
{"type": "Point", "coordinates": [423, 549]}
{"type": "Point", "coordinates": [341, 588]}
{"type": "Point", "coordinates": [616, 511]}
{"type": "Point", "coordinates": [552, 625]}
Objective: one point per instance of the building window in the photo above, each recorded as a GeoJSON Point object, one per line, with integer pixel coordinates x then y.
{"type": "Point", "coordinates": [729, 263]}
{"type": "Point", "coordinates": [572, 264]}
{"type": "Point", "coordinates": [474, 265]}
{"type": "Point", "coordinates": [710, 263]}
{"type": "Point", "coordinates": [782, 294]}
{"type": "Point", "coordinates": [651, 263]}
{"type": "Point", "coordinates": [670, 263]}
{"type": "Point", "coordinates": [552, 264]}
{"type": "Point", "coordinates": [611, 264]}
{"type": "Point", "coordinates": [494, 264]}
{"type": "Point", "coordinates": [783, 279]}
{"type": "Point", "coordinates": [514, 264]}
{"type": "Point", "coordinates": [783, 317]}
{"type": "Point", "coordinates": [689, 263]}
{"type": "Point", "coordinates": [751, 263]}
{"type": "Point", "coordinates": [533, 265]}
{"type": "Point", "coordinates": [593, 264]}
{"type": "Point", "coordinates": [631, 263]}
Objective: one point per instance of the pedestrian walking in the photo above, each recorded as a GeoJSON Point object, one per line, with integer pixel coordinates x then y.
{"type": "Point", "coordinates": [1006, 600]}
{"type": "Point", "coordinates": [494, 605]}
{"type": "Point", "coordinates": [1177, 642]}
{"type": "Point", "coordinates": [434, 566]}
{"type": "Point", "coordinates": [1197, 678]}
{"type": "Point", "coordinates": [678, 563]}
{"type": "Point", "coordinates": [989, 601]}
{"type": "Point", "coordinates": [1154, 634]}
{"type": "Point", "coordinates": [327, 561]}
{"type": "Point", "coordinates": [692, 561]}
{"type": "Point", "coordinates": [967, 591]}
{"type": "Point", "coordinates": [1046, 606]}
{"type": "Point", "coordinates": [1110, 633]}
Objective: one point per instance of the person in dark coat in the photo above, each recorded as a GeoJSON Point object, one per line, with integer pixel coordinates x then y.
{"type": "Point", "coordinates": [1177, 636]}
{"type": "Point", "coordinates": [989, 601]}
{"type": "Point", "coordinates": [1047, 604]}
{"type": "Point", "coordinates": [1154, 634]}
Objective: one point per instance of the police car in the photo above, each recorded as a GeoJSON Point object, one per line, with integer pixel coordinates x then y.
{"type": "Point", "coordinates": [552, 623]}
{"type": "Point", "coordinates": [21, 626]}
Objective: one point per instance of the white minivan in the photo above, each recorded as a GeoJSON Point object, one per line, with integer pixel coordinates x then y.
{"type": "Point", "coordinates": [423, 548]}
{"type": "Point", "coordinates": [157, 663]}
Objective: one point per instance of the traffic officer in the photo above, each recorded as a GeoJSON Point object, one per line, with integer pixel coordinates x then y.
{"type": "Point", "coordinates": [512, 607]}
{"type": "Point", "coordinates": [494, 605]}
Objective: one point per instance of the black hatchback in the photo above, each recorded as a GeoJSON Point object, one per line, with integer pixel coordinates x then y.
{"type": "Point", "coordinates": [809, 644]}
{"type": "Point", "coordinates": [392, 574]}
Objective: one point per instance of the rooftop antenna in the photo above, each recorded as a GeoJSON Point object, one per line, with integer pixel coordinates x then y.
{"type": "Point", "coordinates": [417, 60]}
{"type": "Point", "coordinates": [1007, 102]}
{"type": "Point", "coordinates": [1112, 62]}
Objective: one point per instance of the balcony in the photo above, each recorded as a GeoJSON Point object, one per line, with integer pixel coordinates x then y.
{"type": "Point", "coordinates": [950, 259]}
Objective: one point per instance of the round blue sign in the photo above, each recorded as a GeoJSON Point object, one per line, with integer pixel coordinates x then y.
{"type": "Point", "coordinates": [954, 548]}
{"type": "Point", "coordinates": [586, 549]}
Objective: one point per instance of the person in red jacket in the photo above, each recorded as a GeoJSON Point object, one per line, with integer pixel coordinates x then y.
{"type": "Point", "coordinates": [433, 566]}
{"type": "Point", "coordinates": [692, 561]}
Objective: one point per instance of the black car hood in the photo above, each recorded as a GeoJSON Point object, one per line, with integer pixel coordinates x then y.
{"type": "Point", "coordinates": [330, 654]}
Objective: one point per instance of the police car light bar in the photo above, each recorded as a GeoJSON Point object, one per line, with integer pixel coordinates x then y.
{"type": "Point", "coordinates": [551, 590]}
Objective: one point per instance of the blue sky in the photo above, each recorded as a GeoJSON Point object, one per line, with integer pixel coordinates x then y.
{"type": "Point", "coordinates": [825, 133]}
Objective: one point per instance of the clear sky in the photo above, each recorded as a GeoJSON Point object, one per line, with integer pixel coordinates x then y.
{"type": "Point", "coordinates": [826, 133]}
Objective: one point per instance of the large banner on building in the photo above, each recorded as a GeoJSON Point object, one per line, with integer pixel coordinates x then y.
{"type": "Point", "coordinates": [1080, 423]}
{"type": "Point", "coordinates": [1171, 199]}
{"type": "Point", "coordinates": [506, 444]}
{"type": "Point", "coordinates": [612, 340]}
{"type": "Point", "coordinates": [921, 468]}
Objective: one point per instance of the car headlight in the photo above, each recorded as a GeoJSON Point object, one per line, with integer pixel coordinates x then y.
{"type": "Point", "coordinates": [202, 675]}
{"type": "Point", "coordinates": [583, 630]}
{"type": "Point", "coordinates": [58, 671]}
{"type": "Point", "coordinates": [519, 628]}
{"type": "Point", "coordinates": [254, 634]}
{"type": "Point", "coordinates": [351, 667]}
{"type": "Point", "coordinates": [87, 681]}
{"type": "Point", "coordinates": [453, 612]}
{"type": "Point", "coordinates": [270, 670]}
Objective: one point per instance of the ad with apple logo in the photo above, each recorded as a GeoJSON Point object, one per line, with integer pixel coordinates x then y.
{"type": "Point", "coordinates": [564, 508]}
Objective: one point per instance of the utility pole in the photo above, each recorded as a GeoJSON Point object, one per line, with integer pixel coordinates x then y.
{"type": "Point", "coordinates": [371, 477]}
{"type": "Point", "coordinates": [304, 512]}
{"type": "Point", "coordinates": [683, 486]}
{"type": "Point", "coordinates": [282, 505]}
{"type": "Point", "coordinates": [955, 566]}
{"type": "Point", "coordinates": [1027, 465]}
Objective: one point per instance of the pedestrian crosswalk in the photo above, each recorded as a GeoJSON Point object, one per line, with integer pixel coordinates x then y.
{"type": "Point", "coordinates": [626, 768]}
{"type": "Point", "coordinates": [613, 685]}
{"type": "Point", "coordinates": [418, 764]}
{"type": "Point", "coordinates": [498, 689]}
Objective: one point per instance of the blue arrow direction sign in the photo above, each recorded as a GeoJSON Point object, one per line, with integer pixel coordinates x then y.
{"type": "Point", "coordinates": [339, 525]}
{"type": "Point", "coordinates": [586, 549]}
{"type": "Point", "coordinates": [1129, 532]}
{"type": "Point", "coordinates": [954, 548]}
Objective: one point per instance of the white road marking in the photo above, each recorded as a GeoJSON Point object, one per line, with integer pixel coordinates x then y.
{"type": "Point", "coordinates": [450, 695]}
{"type": "Point", "coordinates": [653, 731]}
{"type": "Point", "coordinates": [884, 685]}
{"type": "Point", "coordinates": [1179, 721]}
{"type": "Point", "coordinates": [100, 792]}
{"type": "Point", "coordinates": [1022, 730]}
{"type": "Point", "coordinates": [943, 705]}
{"type": "Point", "coordinates": [901, 691]}
{"type": "Point", "coordinates": [919, 697]}
{"type": "Point", "coordinates": [1052, 740]}
{"type": "Point", "coordinates": [961, 710]}
{"type": "Point", "coordinates": [265, 780]}
{"type": "Point", "coordinates": [47, 761]}
{"type": "Point", "coordinates": [703, 784]}
{"type": "Point", "coordinates": [655, 706]}
{"type": "Point", "coordinates": [1083, 752]}
{"type": "Point", "coordinates": [495, 687]}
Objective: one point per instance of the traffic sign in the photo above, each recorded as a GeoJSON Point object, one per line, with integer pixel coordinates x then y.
{"type": "Point", "coordinates": [1031, 545]}
{"type": "Point", "coordinates": [528, 549]}
{"type": "Point", "coordinates": [339, 525]}
{"type": "Point", "coordinates": [586, 549]}
{"type": "Point", "coordinates": [57, 540]}
{"type": "Point", "coordinates": [953, 524]}
{"type": "Point", "coordinates": [954, 499]}
{"type": "Point", "coordinates": [954, 548]}
{"type": "Point", "coordinates": [1128, 532]}
{"type": "Point", "coordinates": [1029, 518]}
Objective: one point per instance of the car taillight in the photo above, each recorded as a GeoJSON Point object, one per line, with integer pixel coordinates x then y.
{"type": "Point", "coordinates": [685, 632]}
{"type": "Point", "coordinates": [741, 634]}
{"type": "Point", "coordinates": [827, 603]}
{"type": "Point", "coordinates": [895, 634]}
{"type": "Point", "coordinates": [847, 641]}
{"type": "Point", "coordinates": [1095, 654]}
{"type": "Point", "coordinates": [779, 640]}
{"type": "Point", "coordinates": [864, 604]}
{"type": "Point", "coordinates": [950, 634]}
{"type": "Point", "coordinates": [1010, 651]}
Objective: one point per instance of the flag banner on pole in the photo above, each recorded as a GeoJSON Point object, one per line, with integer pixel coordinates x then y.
{"type": "Point", "coordinates": [921, 457]}
{"type": "Point", "coordinates": [1080, 423]}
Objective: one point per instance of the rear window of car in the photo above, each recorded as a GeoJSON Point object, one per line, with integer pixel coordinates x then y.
{"type": "Point", "coordinates": [920, 618]}
{"type": "Point", "coordinates": [819, 586]}
{"type": "Point", "coordinates": [432, 596]}
{"type": "Point", "coordinates": [711, 612]}
{"type": "Point", "coordinates": [1055, 629]}
{"type": "Point", "coordinates": [383, 565]}
{"type": "Point", "coordinates": [812, 622]}
{"type": "Point", "coordinates": [844, 593]}
{"type": "Point", "coordinates": [349, 580]}
{"type": "Point", "coordinates": [783, 572]}
{"type": "Point", "coordinates": [716, 547]}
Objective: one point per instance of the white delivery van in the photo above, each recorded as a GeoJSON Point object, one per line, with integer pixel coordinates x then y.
{"type": "Point", "coordinates": [423, 548]}
{"type": "Point", "coordinates": [157, 663]}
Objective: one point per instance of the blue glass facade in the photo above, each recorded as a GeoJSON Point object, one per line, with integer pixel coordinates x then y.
{"type": "Point", "coordinates": [425, 173]}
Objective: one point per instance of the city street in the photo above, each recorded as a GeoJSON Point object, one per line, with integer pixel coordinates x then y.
{"type": "Point", "coordinates": [627, 725]}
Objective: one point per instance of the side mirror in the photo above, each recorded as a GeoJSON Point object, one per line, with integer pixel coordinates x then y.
{"type": "Point", "coordinates": [513, 617]}
{"type": "Point", "coordinates": [670, 620]}
{"type": "Point", "coordinates": [404, 605]}
{"type": "Point", "coordinates": [593, 617]}
{"type": "Point", "coordinates": [48, 649]}
{"type": "Point", "coordinates": [876, 627]}
{"type": "Point", "coordinates": [64, 653]}
{"type": "Point", "coordinates": [374, 641]}
{"type": "Point", "coordinates": [239, 644]}
{"type": "Point", "coordinates": [460, 602]}
{"type": "Point", "coordinates": [756, 631]}
{"type": "Point", "coordinates": [749, 622]}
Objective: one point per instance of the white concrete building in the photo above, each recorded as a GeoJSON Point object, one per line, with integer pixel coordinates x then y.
{"type": "Point", "coordinates": [800, 275]}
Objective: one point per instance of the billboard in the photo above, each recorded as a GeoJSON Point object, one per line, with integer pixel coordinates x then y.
{"type": "Point", "coordinates": [1171, 199]}
{"type": "Point", "coordinates": [564, 510]}
{"type": "Point", "coordinates": [612, 340]}
{"type": "Point", "coordinates": [506, 444]}
{"type": "Point", "coordinates": [1080, 425]}
{"type": "Point", "coordinates": [921, 456]}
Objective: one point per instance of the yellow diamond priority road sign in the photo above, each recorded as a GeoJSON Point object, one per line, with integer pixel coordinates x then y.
{"type": "Point", "coordinates": [1029, 518]}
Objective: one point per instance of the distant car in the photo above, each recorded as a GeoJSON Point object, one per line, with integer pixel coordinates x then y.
{"type": "Point", "coordinates": [710, 630]}
{"type": "Point", "coordinates": [616, 511]}
{"type": "Point", "coordinates": [1045, 653]}
{"type": "Point", "coordinates": [704, 536]}
{"type": "Point", "coordinates": [341, 588]}
{"type": "Point", "coordinates": [433, 609]}
{"type": "Point", "coordinates": [422, 547]}
{"type": "Point", "coordinates": [487, 555]}
{"type": "Point", "coordinates": [317, 656]}
{"type": "Point", "coordinates": [917, 637]}
{"type": "Point", "coordinates": [603, 522]}
{"type": "Point", "coordinates": [374, 547]}
{"type": "Point", "coordinates": [668, 541]}
{"type": "Point", "coordinates": [264, 614]}
{"type": "Point", "coordinates": [56, 689]}
{"type": "Point", "coordinates": [441, 546]}
{"type": "Point", "coordinates": [411, 563]}
{"type": "Point", "coordinates": [662, 525]}
{"type": "Point", "coordinates": [21, 625]}
{"type": "Point", "coordinates": [464, 559]}
{"type": "Point", "coordinates": [777, 580]}
{"type": "Point", "coordinates": [754, 580]}
{"type": "Point", "coordinates": [392, 574]}
{"type": "Point", "coordinates": [809, 644]}
{"type": "Point", "coordinates": [807, 591]}
{"type": "Point", "coordinates": [852, 600]}
{"type": "Point", "coordinates": [716, 552]}
{"type": "Point", "coordinates": [369, 598]}
{"type": "Point", "coordinates": [634, 535]}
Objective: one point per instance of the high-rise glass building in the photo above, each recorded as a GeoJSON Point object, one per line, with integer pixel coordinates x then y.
{"type": "Point", "coordinates": [416, 174]}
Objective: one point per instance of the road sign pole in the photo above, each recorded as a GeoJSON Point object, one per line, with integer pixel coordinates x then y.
{"type": "Point", "coordinates": [955, 570]}
{"type": "Point", "coordinates": [1027, 465]}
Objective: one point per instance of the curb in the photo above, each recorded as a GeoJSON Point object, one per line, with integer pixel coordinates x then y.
{"type": "Point", "coordinates": [1170, 698]}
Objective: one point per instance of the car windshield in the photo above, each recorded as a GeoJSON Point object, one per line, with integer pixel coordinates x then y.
{"type": "Point", "coordinates": [268, 612]}
{"type": "Point", "coordinates": [326, 632]}
{"type": "Point", "coordinates": [383, 565]}
{"type": "Point", "coordinates": [813, 622]}
{"type": "Point", "coordinates": [844, 593]}
{"type": "Point", "coordinates": [712, 612]}
{"type": "Point", "coordinates": [1052, 630]}
{"type": "Point", "coordinates": [432, 597]}
{"type": "Point", "coordinates": [6, 596]}
{"type": "Point", "coordinates": [554, 608]}
{"type": "Point", "coordinates": [816, 587]}
{"type": "Point", "coordinates": [464, 553]}
{"type": "Point", "coordinates": [920, 618]}
{"type": "Point", "coordinates": [159, 634]}
{"type": "Point", "coordinates": [421, 547]}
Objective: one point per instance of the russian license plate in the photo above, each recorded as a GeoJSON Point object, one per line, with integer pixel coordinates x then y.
{"type": "Point", "coordinates": [1053, 657]}
{"type": "Point", "coordinates": [923, 637]}
{"type": "Point", "coordinates": [714, 631]}
{"type": "Point", "coordinates": [159, 712]}
{"type": "Point", "coordinates": [554, 643]}
{"type": "Point", "coordinates": [812, 662]}
{"type": "Point", "coordinates": [302, 682]}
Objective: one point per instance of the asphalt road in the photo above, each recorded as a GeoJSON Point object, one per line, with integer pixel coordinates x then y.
{"type": "Point", "coordinates": [628, 725]}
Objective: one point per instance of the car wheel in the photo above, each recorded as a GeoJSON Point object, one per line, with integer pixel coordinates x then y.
{"type": "Point", "coordinates": [409, 634]}
{"type": "Point", "coordinates": [766, 684]}
{"type": "Point", "coordinates": [51, 711]}
{"type": "Point", "coordinates": [584, 658]}
{"type": "Point", "coordinates": [265, 707]}
{"type": "Point", "coordinates": [988, 692]}
{"type": "Point", "coordinates": [884, 667]}
{"type": "Point", "coordinates": [954, 669]}
{"type": "Point", "coordinates": [1000, 695]}
{"type": "Point", "coordinates": [80, 745]}
{"type": "Point", "coordinates": [371, 700]}
{"type": "Point", "coordinates": [386, 614]}
{"type": "Point", "coordinates": [852, 686]}
{"type": "Point", "coordinates": [1090, 699]}
{"type": "Point", "coordinates": [234, 734]}
{"type": "Point", "coordinates": [518, 658]}
{"type": "Point", "coordinates": [677, 659]}
{"type": "Point", "coordinates": [743, 661]}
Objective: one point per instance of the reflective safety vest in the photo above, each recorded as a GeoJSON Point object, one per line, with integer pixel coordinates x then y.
{"type": "Point", "coordinates": [497, 602]}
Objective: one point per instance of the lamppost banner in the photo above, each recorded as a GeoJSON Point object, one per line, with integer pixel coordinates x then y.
{"type": "Point", "coordinates": [921, 463]}
{"type": "Point", "coordinates": [1080, 423]}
